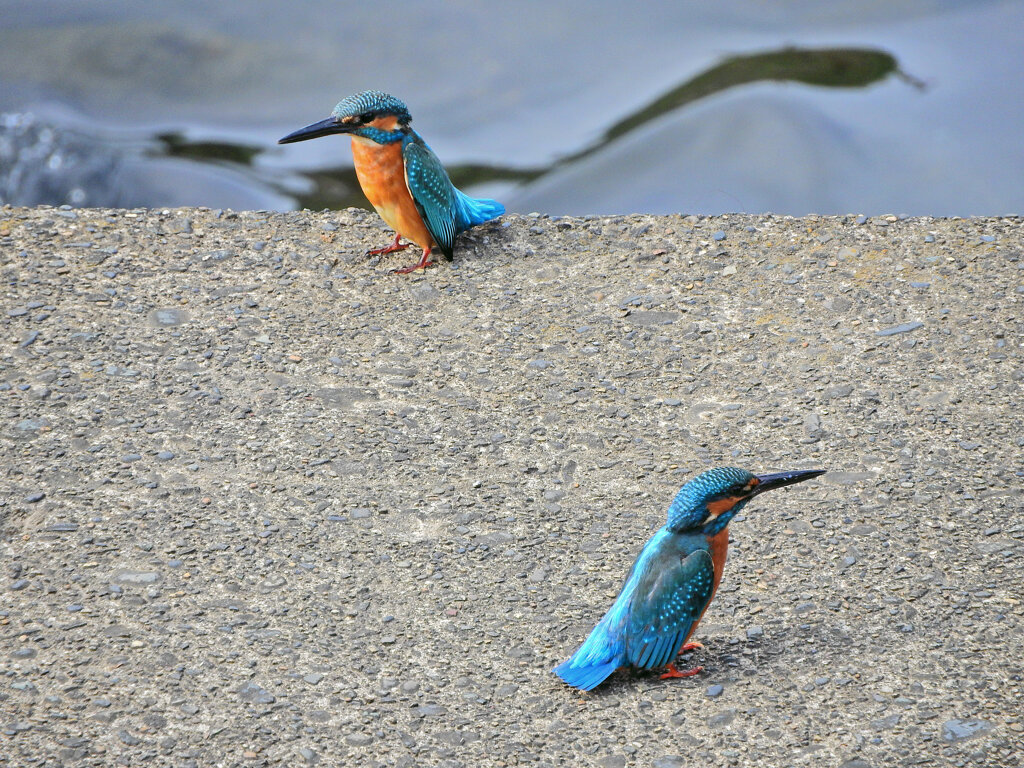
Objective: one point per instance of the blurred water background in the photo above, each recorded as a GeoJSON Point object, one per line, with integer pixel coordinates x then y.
{"type": "Point", "coordinates": [581, 107]}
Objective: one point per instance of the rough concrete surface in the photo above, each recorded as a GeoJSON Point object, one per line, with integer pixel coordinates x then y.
{"type": "Point", "coordinates": [263, 503]}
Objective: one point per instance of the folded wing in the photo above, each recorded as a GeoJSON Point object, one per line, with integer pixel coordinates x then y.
{"type": "Point", "coordinates": [433, 193]}
{"type": "Point", "coordinates": [668, 601]}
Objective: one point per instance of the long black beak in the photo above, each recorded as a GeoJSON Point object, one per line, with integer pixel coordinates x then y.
{"type": "Point", "coordinates": [779, 479]}
{"type": "Point", "coordinates": [316, 130]}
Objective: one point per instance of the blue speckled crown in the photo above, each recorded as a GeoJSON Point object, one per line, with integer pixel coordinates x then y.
{"type": "Point", "coordinates": [689, 508]}
{"type": "Point", "coordinates": [372, 101]}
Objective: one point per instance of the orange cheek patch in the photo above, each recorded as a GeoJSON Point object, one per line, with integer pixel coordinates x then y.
{"type": "Point", "coordinates": [386, 123]}
{"type": "Point", "coordinates": [722, 505]}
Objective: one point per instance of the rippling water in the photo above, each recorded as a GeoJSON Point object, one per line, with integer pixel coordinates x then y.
{"type": "Point", "coordinates": [579, 107]}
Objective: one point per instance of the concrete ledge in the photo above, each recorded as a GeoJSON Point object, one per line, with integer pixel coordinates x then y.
{"type": "Point", "coordinates": [263, 503]}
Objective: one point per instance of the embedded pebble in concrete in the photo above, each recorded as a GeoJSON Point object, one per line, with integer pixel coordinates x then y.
{"type": "Point", "coordinates": [958, 730]}
{"type": "Point", "coordinates": [254, 694]}
{"type": "Point", "coordinates": [901, 328]}
{"type": "Point", "coordinates": [289, 509]}
{"type": "Point", "coordinates": [136, 577]}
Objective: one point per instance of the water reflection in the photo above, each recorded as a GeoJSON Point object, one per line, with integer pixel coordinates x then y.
{"type": "Point", "coordinates": [99, 166]}
{"type": "Point", "coordinates": [833, 68]}
{"type": "Point", "coordinates": [181, 104]}
{"type": "Point", "coordinates": [830, 67]}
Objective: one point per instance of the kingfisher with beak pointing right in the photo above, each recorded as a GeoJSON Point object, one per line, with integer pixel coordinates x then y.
{"type": "Point", "coordinates": [672, 581]}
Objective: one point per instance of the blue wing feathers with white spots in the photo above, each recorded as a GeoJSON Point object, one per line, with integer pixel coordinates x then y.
{"type": "Point", "coordinates": [445, 210]}
{"type": "Point", "coordinates": [432, 192]}
{"type": "Point", "coordinates": [669, 598]}
{"type": "Point", "coordinates": [624, 635]}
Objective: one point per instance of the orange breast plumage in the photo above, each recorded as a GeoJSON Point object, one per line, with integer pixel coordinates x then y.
{"type": "Point", "coordinates": [381, 173]}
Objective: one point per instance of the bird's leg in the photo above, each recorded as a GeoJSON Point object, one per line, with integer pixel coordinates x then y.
{"type": "Point", "coordinates": [690, 647]}
{"type": "Point", "coordinates": [423, 263]}
{"type": "Point", "coordinates": [671, 671]}
{"type": "Point", "coordinates": [395, 246]}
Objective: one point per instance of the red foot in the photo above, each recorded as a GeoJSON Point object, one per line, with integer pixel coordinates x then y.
{"type": "Point", "coordinates": [671, 671]}
{"type": "Point", "coordinates": [423, 263]}
{"type": "Point", "coordinates": [395, 246]}
{"type": "Point", "coordinates": [690, 647]}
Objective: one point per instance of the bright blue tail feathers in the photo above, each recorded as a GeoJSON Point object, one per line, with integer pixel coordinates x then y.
{"type": "Point", "coordinates": [585, 678]}
{"type": "Point", "coordinates": [471, 211]}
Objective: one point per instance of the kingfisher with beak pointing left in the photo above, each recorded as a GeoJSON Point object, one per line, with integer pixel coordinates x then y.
{"type": "Point", "coordinates": [400, 175]}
